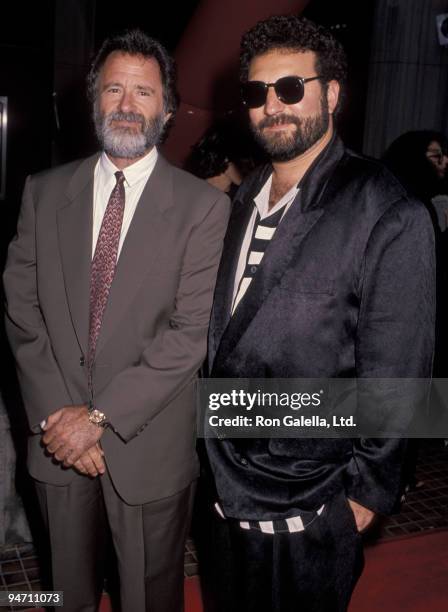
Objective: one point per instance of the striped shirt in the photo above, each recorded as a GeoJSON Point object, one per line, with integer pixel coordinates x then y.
{"type": "Point", "coordinates": [265, 233]}
{"type": "Point", "coordinates": [292, 524]}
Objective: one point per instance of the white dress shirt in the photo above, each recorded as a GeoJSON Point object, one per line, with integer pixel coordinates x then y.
{"type": "Point", "coordinates": [136, 175]}
{"type": "Point", "coordinates": [262, 207]}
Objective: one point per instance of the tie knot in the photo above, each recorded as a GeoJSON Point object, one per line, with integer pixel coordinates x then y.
{"type": "Point", "coordinates": [120, 177]}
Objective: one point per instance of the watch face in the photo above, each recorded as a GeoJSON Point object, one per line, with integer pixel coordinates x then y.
{"type": "Point", "coordinates": [97, 417]}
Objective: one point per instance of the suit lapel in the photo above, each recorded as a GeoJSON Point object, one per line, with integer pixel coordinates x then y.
{"type": "Point", "coordinates": [229, 261]}
{"type": "Point", "coordinates": [286, 242]}
{"type": "Point", "coordinates": [242, 209]}
{"type": "Point", "coordinates": [143, 240]}
{"type": "Point", "coordinates": [74, 222]}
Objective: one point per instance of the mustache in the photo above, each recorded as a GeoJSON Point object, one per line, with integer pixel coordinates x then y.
{"type": "Point", "coordinates": [120, 116]}
{"type": "Point", "coordinates": [282, 119]}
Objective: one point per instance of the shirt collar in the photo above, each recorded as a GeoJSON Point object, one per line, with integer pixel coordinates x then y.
{"type": "Point", "coordinates": [134, 173]}
{"type": "Point", "coordinates": [262, 199]}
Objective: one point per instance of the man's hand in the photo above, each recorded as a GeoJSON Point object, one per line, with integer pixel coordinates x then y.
{"type": "Point", "coordinates": [363, 516]}
{"type": "Point", "coordinates": [91, 463]}
{"type": "Point", "coordinates": [69, 434]}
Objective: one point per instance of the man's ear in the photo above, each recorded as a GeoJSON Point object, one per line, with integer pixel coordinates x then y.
{"type": "Point", "coordinates": [333, 90]}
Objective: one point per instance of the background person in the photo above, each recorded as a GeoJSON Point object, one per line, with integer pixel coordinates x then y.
{"type": "Point", "coordinates": [419, 159]}
{"type": "Point", "coordinates": [224, 155]}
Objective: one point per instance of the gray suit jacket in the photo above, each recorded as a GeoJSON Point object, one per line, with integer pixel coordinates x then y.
{"type": "Point", "coordinates": [153, 335]}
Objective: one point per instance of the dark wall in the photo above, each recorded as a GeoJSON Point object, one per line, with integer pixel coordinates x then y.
{"type": "Point", "coordinates": [166, 23]}
{"type": "Point", "coordinates": [26, 72]}
{"type": "Point", "coordinates": [26, 78]}
{"type": "Point", "coordinates": [351, 22]}
{"type": "Point", "coordinates": [74, 22]}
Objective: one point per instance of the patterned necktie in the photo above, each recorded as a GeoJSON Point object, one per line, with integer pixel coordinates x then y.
{"type": "Point", "coordinates": [104, 262]}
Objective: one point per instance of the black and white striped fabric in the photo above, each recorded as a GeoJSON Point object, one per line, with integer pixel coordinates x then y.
{"type": "Point", "coordinates": [264, 230]}
{"type": "Point", "coordinates": [289, 525]}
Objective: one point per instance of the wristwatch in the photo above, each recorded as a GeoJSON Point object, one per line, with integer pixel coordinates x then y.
{"type": "Point", "coordinates": [96, 417]}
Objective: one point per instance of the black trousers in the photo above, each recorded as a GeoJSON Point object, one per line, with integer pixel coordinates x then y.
{"type": "Point", "coordinates": [309, 571]}
{"type": "Point", "coordinates": [149, 543]}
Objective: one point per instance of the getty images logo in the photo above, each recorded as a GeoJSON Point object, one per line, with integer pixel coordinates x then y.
{"type": "Point", "coordinates": [247, 401]}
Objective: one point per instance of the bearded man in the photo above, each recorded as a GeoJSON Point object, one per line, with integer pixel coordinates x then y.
{"type": "Point", "coordinates": [109, 285]}
{"type": "Point", "coordinates": [327, 272]}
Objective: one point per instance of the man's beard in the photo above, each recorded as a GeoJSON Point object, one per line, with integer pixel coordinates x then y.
{"type": "Point", "coordinates": [127, 142]}
{"type": "Point", "coordinates": [283, 147]}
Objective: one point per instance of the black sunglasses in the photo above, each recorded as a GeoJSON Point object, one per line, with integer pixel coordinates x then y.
{"type": "Point", "coordinates": [289, 90]}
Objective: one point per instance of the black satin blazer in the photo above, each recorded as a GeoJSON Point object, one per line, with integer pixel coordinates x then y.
{"type": "Point", "coordinates": [346, 288]}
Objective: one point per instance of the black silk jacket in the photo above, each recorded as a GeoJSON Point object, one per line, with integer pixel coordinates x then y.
{"type": "Point", "coordinates": [346, 288]}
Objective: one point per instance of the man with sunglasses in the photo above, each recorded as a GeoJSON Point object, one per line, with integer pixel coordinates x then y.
{"type": "Point", "coordinates": [327, 272]}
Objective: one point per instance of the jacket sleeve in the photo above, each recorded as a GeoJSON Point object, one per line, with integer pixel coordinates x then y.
{"type": "Point", "coordinates": [173, 358]}
{"type": "Point", "coordinates": [41, 381]}
{"type": "Point", "coordinates": [395, 340]}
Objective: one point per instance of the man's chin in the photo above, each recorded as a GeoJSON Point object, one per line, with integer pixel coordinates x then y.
{"type": "Point", "coordinates": [126, 153]}
{"type": "Point", "coordinates": [276, 143]}
{"type": "Point", "coordinates": [125, 150]}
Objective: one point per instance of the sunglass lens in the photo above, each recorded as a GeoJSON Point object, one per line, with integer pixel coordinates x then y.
{"type": "Point", "coordinates": [253, 93]}
{"type": "Point", "coordinates": [289, 89]}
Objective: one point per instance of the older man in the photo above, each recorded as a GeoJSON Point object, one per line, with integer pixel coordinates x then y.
{"type": "Point", "coordinates": [109, 284]}
{"type": "Point", "coordinates": [327, 272]}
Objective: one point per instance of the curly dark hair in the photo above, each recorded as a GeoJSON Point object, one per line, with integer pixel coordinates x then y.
{"type": "Point", "coordinates": [226, 140]}
{"type": "Point", "coordinates": [209, 156]}
{"type": "Point", "coordinates": [136, 42]}
{"type": "Point", "coordinates": [293, 33]}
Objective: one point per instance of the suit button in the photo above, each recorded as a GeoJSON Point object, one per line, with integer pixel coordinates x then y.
{"type": "Point", "coordinates": [82, 360]}
{"type": "Point", "coordinates": [243, 461]}
{"type": "Point", "coordinates": [253, 269]}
